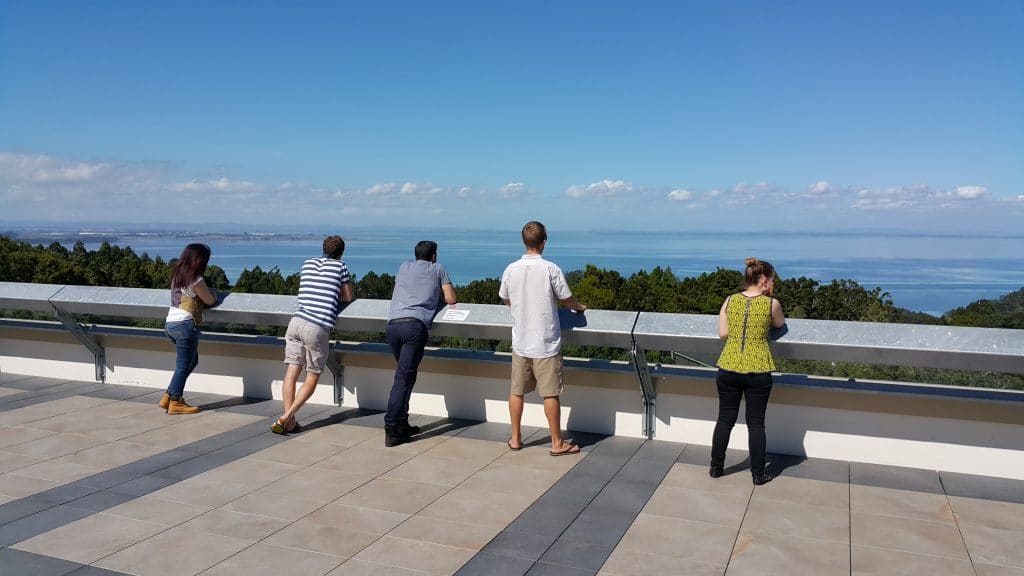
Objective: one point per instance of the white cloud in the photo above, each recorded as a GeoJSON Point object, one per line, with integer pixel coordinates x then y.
{"type": "Point", "coordinates": [918, 196]}
{"type": "Point", "coordinates": [602, 189]}
{"type": "Point", "coordinates": [512, 190]}
{"type": "Point", "coordinates": [42, 169]}
{"type": "Point", "coordinates": [971, 192]}
{"type": "Point", "coordinates": [222, 184]}
{"type": "Point", "coordinates": [752, 189]}
{"type": "Point", "coordinates": [680, 195]}
{"type": "Point", "coordinates": [379, 189]}
{"type": "Point", "coordinates": [820, 187]}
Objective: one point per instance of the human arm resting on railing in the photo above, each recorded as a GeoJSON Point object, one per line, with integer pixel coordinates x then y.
{"type": "Point", "coordinates": [449, 294]}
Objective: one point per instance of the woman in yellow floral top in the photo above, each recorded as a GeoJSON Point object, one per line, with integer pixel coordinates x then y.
{"type": "Point", "coordinates": [745, 366]}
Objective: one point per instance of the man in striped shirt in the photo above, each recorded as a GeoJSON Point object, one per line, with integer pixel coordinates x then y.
{"type": "Point", "coordinates": [324, 283]}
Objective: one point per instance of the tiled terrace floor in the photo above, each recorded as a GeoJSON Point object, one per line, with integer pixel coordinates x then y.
{"type": "Point", "coordinates": [96, 480]}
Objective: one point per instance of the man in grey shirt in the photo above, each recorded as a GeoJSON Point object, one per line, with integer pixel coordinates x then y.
{"type": "Point", "coordinates": [417, 298]}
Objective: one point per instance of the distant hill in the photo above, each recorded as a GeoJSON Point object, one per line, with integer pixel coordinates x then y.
{"type": "Point", "coordinates": [1004, 312]}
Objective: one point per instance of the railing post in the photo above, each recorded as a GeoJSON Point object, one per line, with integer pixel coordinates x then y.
{"type": "Point", "coordinates": [643, 374]}
{"type": "Point", "coordinates": [338, 371]}
{"type": "Point", "coordinates": [82, 334]}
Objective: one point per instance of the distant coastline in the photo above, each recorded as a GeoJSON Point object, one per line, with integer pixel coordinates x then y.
{"type": "Point", "coordinates": [931, 273]}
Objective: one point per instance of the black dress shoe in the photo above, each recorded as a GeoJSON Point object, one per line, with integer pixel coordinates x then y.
{"type": "Point", "coordinates": [715, 472]}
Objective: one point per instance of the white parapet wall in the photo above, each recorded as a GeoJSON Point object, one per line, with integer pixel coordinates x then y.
{"type": "Point", "coordinates": [941, 433]}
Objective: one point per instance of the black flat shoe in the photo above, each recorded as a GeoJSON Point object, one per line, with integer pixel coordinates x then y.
{"type": "Point", "coordinates": [715, 471]}
{"type": "Point", "coordinates": [762, 478]}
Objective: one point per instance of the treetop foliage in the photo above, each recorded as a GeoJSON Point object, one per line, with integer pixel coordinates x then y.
{"type": "Point", "coordinates": [658, 290]}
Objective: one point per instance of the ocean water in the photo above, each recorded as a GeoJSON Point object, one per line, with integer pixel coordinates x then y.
{"type": "Point", "coordinates": [931, 274]}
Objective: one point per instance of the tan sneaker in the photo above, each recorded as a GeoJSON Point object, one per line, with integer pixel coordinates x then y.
{"type": "Point", "coordinates": [165, 401]}
{"type": "Point", "coordinates": [179, 406]}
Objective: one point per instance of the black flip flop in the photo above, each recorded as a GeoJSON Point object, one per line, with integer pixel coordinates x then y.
{"type": "Point", "coordinates": [510, 447]}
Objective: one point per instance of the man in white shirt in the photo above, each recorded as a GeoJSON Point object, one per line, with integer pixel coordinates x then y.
{"type": "Point", "coordinates": [533, 287]}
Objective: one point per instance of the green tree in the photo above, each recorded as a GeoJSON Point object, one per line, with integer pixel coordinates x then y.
{"type": "Point", "coordinates": [372, 285]}
{"type": "Point", "coordinates": [479, 292]}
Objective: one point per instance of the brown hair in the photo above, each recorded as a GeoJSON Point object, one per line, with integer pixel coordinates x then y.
{"type": "Point", "coordinates": [190, 265]}
{"type": "Point", "coordinates": [334, 247]}
{"type": "Point", "coordinates": [534, 233]}
{"type": "Point", "coordinates": [757, 269]}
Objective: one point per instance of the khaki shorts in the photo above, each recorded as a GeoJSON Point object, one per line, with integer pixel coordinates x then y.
{"type": "Point", "coordinates": [541, 374]}
{"type": "Point", "coordinates": [306, 344]}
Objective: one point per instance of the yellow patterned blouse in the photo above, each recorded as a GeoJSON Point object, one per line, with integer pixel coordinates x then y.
{"type": "Point", "coordinates": [746, 349]}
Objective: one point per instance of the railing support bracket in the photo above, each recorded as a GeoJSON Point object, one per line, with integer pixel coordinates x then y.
{"type": "Point", "coordinates": [82, 334]}
{"type": "Point", "coordinates": [338, 371]}
{"type": "Point", "coordinates": [643, 374]}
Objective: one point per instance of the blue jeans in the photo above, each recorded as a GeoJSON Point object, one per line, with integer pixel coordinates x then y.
{"type": "Point", "coordinates": [407, 337]}
{"type": "Point", "coordinates": [732, 387]}
{"type": "Point", "coordinates": [185, 336]}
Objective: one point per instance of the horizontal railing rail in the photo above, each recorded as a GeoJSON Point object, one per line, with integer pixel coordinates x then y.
{"type": "Point", "coordinates": [694, 336]}
{"type": "Point", "coordinates": [987, 349]}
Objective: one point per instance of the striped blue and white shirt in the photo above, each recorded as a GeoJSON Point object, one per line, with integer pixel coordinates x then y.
{"type": "Point", "coordinates": [319, 286]}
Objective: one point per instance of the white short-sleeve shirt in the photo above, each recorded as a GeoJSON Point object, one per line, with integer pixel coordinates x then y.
{"type": "Point", "coordinates": [533, 286]}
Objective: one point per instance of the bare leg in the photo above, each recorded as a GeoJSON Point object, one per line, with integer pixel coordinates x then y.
{"type": "Point", "coordinates": [291, 376]}
{"type": "Point", "coordinates": [308, 387]}
{"type": "Point", "coordinates": [515, 412]}
{"type": "Point", "coordinates": [553, 411]}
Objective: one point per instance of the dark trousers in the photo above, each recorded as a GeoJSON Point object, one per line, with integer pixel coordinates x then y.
{"type": "Point", "coordinates": [731, 388]}
{"type": "Point", "coordinates": [407, 338]}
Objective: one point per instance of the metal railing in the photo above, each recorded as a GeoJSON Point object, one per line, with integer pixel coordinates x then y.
{"type": "Point", "coordinates": [696, 336]}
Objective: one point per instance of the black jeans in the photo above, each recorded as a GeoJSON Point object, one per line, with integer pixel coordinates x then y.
{"type": "Point", "coordinates": [407, 337]}
{"type": "Point", "coordinates": [731, 388]}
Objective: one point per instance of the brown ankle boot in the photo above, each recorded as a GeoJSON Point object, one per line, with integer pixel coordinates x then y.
{"type": "Point", "coordinates": [178, 405]}
{"type": "Point", "coordinates": [165, 401]}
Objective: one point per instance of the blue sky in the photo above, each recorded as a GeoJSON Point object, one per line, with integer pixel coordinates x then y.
{"type": "Point", "coordinates": [587, 115]}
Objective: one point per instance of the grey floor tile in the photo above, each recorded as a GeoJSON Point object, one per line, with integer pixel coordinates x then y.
{"type": "Point", "coordinates": [19, 563]}
{"type": "Point", "coordinates": [810, 468]}
{"type": "Point", "coordinates": [193, 467]}
{"type": "Point", "coordinates": [868, 561]}
{"type": "Point", "coordinates": [686, 539]}
{"type": "Point", "coordinates": [584, 482]}
{"type": "Point", "coordinates": [660, 450]}
{"type": "Point", "coordinates": [515, 544]}
{"type": "Point", "coordinates": [547, 517]}
{"type": "Point", "coordinates": [64, 494]}
{"type": "Point", "coordinates": [616, 447]}
{"type": "Point", "coordinates": [492, 431]}
{"type": "Point", "coordinates": [21, 508]}
{"type": "Point", "coordinates": [626, 562]}
{"type": "Point", "coordinates": [908, 535]}
{"type": "Point", "coordinates": [142, 485]}
{"type": "Point", "coordinates": [996, 570]}
{"type": "Point", "coordinates": [34, 525]}
{"type": "Point", "coordinates": [760, 553]}
{"type": "Point", "coordinates": [994, 546]}
{"type": "Point", "coordinates": [483, 564]}
{"type": "Point", "coordinates": [120, 392]}
{"type": "Point", "coordinates": [701, 456]}
{"type": "Point", "coordinates": [896, 477]}
{"type": "Point", "coordinates": [625, 496]}
{"type": "Point", "coordinates": [983, 487]}
{"type": "Point", "coordinates": [100, 501]}
{"type": "Point", "coordinates": [95, 571]}
{"type": "Point", "coordinates": [545, 569]}
{"type": "Point", "coordinates": [601, 526]}
{"type": "Point", "coordinates": [266, 560]}
{"type": "Point", "coordinates": [577, 554]}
